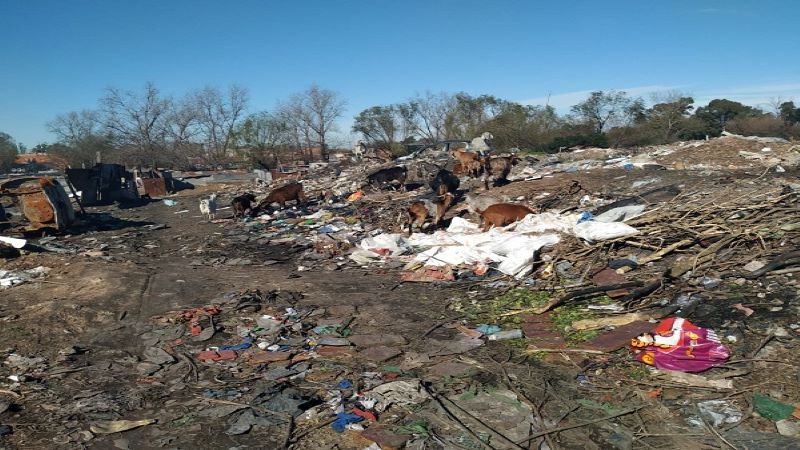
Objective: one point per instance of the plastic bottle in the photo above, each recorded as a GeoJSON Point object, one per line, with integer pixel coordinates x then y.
{"type": "Point", "coordinates": [508, 334]}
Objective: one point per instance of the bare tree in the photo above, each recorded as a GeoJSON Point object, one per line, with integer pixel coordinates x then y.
{"type": "Point", "coordinates": [73, 127]}
{"type": "Point", "coordinates": [431, 113]}
{"type": "Point", "coordinates": [325, 107]}
{"type": "Point", "coordinates": [136, 123]}
{"type": "Point", "coordinates": [217, 116]}
{"type": "Point", "coordinates": [81, 136]}
{"type": "Point", "coordinates": [313, 114]}
{"type": "Point", "coordinates": [261, 133]}
{"type": "Point", "coordinates": [774, 104]}
{"type": "Point", "coordinates": [669, 113]}
{"type": "Point", "coordinates": [183, 130]}
{"type": "Point", "coordinates": [294, 114]}
{"type": "Point", "coordinates": [603, 109]}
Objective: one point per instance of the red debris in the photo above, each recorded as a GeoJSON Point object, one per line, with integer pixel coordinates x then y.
{"type": "Point", "coordinates": [212, 355]}
{"type": "Point", "coordinates": [365, 414]}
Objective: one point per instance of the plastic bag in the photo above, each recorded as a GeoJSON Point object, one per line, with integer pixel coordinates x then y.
{"type": "Point", "coordinates": [386, 243]}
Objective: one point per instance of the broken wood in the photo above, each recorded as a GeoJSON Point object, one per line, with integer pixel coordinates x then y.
{"type": "Point", "coordinates": [690, 379]}
{"type": "Point", "coordinates": [571, 427]}
{"type": "Point", "coordinates": [704, 256]}
{"type": "Point", "coordinates": [621, 319]}
{"type": "Point", "coordinates": [784, 260]}
{"type": "Point", "coordinates": [659, 254]}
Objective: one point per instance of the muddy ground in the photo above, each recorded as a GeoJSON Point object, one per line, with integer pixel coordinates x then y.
{"type": "Point", "coordinates": [91, 319]}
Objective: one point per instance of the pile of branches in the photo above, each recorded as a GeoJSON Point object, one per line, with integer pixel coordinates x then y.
{"type": "Point", "coordinates": [696, 233]}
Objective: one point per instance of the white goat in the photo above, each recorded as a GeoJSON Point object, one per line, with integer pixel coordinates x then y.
{"type": "Point", "coordinates": [208, 207]}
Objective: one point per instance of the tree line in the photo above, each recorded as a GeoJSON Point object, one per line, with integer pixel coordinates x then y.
{"type": "Point", "coordinates": [211, 127]}
{"type": "Point", "coordinates": [208, 127]}
{"type": "Point", "coordinates": [604, 118]}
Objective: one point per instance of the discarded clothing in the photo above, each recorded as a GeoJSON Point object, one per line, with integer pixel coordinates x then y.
{"type": "Point", "coordinates": [677, 344]}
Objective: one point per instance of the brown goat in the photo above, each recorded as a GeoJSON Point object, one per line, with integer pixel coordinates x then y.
{"type": "Point", "coordinates": [289, 192]}
{"type": "Point", "coordinates": [498, 168]}
{"type": "Point", "coordinates": [419, 211]}
{"type": "Point", "coordinates": [470, 162]}
{"type": "Point", "coordinates": [502, 214]}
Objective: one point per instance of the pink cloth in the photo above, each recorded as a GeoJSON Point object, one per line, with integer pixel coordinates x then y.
{"type": "Point", "coordinates": [682, 346]}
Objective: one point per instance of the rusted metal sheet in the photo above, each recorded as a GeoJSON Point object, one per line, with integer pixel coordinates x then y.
{"type": "Point", "coordinates": [154, 187]}
{"type": "Point", "coordinates": [36, 207]}
{"type": "Point", "coordinates": [42, 200]}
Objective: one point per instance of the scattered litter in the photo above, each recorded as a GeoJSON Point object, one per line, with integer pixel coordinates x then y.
{"type": "Point", "coordinates": [772, 409]}
{"type": "Point", "coordinates": [506, 334]}
{"type": "Point", "coordinates": [116, 426]}
{"type": "Point", "coordinates": [719, 412]}
{"type": "Point", "coordinates": [9, 278]}
{"type": "Point", "coordinates": [747, 311]}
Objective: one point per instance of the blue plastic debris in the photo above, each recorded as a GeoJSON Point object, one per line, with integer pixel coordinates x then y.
{"type": "Point", "coordinates": [487, 329]}
{"type": "Point", "coordinates": [343, 419]}
{"type": "Point", "coordinates": [628, 166]}
{"type": "Point", "coordinates": [169, 202]}
{"type": "Point", "coordinates": [344, 384]}
{"type": "Point", "coordinates": [585, 217]}
{"type": "Point", "coordinates": [243, 346]}
{"type": "Point", "coordinates": [213, 393]}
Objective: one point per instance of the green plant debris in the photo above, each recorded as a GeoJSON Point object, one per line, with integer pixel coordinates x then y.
{"type": "Point", "coordinates": [591, 404]}
{"type": "Point", "coordinates": [638, 373]}
{"type": "Point", "coordinates": [489, 310]}
{"type": "Point", "coordinates": [563, 318]}
{"type": "Point", "coordinates": [417, 428]}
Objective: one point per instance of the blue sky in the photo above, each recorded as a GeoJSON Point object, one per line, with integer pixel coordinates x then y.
{"type": "Point", "coordinates": [59, 55]}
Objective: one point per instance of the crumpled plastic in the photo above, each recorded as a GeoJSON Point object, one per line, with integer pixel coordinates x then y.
{"type": "Point", "coordinates": [772, 409]}
{"type": "Point", "coordinates": [243, 346]}
{"type": "Point", "coordinates": [386, 243]}
{"type": "Point", "coordinates": [681, 346]}
{"type": "Point", "coordinates": [344, 419]}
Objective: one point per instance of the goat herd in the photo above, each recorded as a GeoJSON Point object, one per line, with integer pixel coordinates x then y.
{"type": "Point", "coordinates": [433, 206]}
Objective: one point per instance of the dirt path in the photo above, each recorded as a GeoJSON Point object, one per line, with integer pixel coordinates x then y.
{"type": "Point", "coordinates": [104, 306]}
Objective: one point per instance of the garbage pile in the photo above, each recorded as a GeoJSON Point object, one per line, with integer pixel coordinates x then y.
{"type": "Point", "coordinates": [635, 297]}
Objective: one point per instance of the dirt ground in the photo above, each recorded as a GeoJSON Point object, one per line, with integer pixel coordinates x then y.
{"type": "Point", "coordinates": [94, 318]}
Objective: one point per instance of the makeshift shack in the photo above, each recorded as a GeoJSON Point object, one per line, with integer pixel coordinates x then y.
{"type": "Point", "coordinates": [103, 183]}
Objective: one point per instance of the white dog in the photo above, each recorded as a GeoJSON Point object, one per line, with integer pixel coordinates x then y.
{"type": "Point", "coordinates": [208, 207]}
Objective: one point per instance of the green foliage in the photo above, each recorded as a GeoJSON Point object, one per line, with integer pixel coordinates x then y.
{"type": "Point", "coordinates": [789, 113]}
{"type": "Point", "coordinates": [639, 372]}
{"type": "Point", "coordinates": [8, 152]}
{"type": "Point", "coordinates": [418, 428]}
{"type": "Point", "coordinates": [604, 109]}
{"type": "Point", "coordinates": [489, 310]}
{"type": "Point", "coordinates": [719, 112]}
{"type": "Point", "coordinates": [563, 318]}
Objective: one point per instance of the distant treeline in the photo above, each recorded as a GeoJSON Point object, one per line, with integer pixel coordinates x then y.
{"type": "Point", "coordinates": [210, 127]}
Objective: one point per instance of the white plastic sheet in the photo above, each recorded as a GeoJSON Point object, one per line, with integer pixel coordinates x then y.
{"type": "Point", "coordinates": [387, 242]}
{"type": "Point", "coordinates": [512, 248]}
{"type": "Point", "coordinates": [14, 242]}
